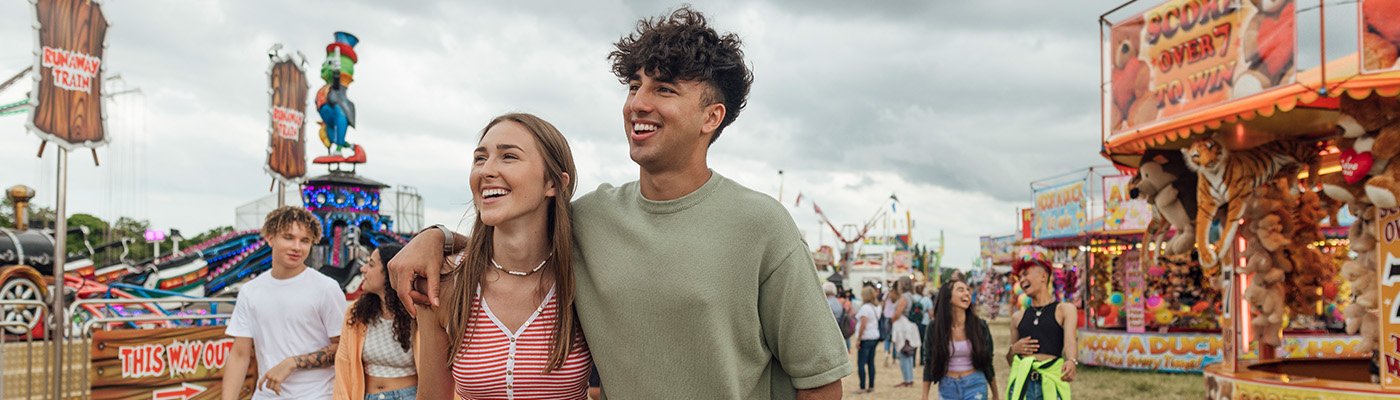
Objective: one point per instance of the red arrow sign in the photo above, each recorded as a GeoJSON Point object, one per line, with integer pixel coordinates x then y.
{"type": "Point", "coordinates": [184, 392]}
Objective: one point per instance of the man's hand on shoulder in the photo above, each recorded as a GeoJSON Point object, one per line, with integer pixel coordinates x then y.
{"type": "Point", "coordinates": [421, 257]}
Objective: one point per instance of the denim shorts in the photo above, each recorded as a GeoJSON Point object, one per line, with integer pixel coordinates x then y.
{"type": "Point", "coordinates": [970, 387]}
{"type": "Point", "coordinates": [408, 393]}
{"type": "Point", "coordinates": [1035, 392]}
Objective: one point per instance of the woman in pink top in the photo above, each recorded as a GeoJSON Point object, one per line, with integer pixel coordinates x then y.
{"type": "Point", "coordinates": [959, 347]}
{"type": "Point", "coordinates": [506, 328]}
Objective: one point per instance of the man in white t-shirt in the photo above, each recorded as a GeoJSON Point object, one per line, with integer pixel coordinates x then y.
{"type": "Point", "coordinates": [289, 317]}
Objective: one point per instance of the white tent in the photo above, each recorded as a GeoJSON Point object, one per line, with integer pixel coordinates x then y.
{"type": "Point", "coordinates": [251, 215]}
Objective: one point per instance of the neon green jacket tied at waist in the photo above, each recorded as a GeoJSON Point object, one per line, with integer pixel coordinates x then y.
{"type": "Point", "coordinates": [1051, 383]}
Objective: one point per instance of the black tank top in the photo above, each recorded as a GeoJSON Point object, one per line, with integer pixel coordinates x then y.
{"type": "Point", "coordinates": [1048, 332]}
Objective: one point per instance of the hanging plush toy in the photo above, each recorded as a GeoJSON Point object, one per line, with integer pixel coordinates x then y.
{"type": "Point", "coordinates": [1268, 234]}
{"type": "Point", "coordinates": [1312, 269]}
{"type": "Point", "coordinates": [1363, 314]}
{"type": "Point", "coordinates": [1101, 282]}
{"type": "Point", "coordinates": [1370, 146]}
{"type": "Point", "coordinates": [1226, 177]}
{"type": "Point", "coordinates": [1370, 143]}
{"type": "Point", "coordinates": [1161, 180]}
{"type": "Point", "coordinates": [336, 110]}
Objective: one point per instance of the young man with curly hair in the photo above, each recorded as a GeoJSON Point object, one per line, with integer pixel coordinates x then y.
{"type": "Point", "coordinates": [289, 317]}
{"type": "Point", "coordinates": [689, 284]}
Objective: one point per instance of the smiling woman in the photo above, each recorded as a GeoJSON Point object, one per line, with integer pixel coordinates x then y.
{"type": "Point", "coordinates": [1044, 349]}
{"type": "Point", "coordinates": [378, 356]}
{"type": "Point", "coordinates": [509, 305]}
{"type": "Point", "coordinates": [959, 347]}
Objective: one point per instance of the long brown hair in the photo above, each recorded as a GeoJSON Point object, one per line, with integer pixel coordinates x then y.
{"type": "Point", "coordinates": [367, 309]}
{"type": "Point", "coordinates": [558, 160]}
{"type": "Point", "coordinates": [939, 339]}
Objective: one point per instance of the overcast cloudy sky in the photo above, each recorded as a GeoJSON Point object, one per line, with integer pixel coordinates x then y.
{"type": "Point", "coordinates": [955, 106]}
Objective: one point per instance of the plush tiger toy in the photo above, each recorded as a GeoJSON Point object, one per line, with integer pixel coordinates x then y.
{"type": "Point", "coordinates": [1226, 176]}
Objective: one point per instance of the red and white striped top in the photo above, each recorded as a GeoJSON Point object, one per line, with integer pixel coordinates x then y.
{"type": "Point", "coordinates": [494, 363]}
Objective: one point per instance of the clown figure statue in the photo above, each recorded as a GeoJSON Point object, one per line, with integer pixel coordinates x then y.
{"type": "Point", "coordinates": [336, 110]}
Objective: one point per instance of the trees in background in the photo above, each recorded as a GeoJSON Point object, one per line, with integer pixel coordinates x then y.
{"type": "Point", "coordinates": [101, 231]}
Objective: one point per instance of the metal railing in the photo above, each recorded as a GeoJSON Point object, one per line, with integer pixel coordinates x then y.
{"type": "Point", "coordinates": [7, 379]}
{"type": "Point", "coordinates": [19, 379]}
{"type": "Point", "coordinates": [28, 363]}
{"type": "Point", "coordinates": [162, 305]}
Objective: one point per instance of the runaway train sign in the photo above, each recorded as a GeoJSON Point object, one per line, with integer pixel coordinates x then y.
{"type": "Point", "coordinates": [286, 143]}
{"type": "Point", "coordinates": [71, 37]}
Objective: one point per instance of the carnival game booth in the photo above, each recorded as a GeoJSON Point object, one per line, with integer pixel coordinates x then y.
{"type": "Point", "coordinates": [1068, 222]}
{"type": "Point", "coordinates": [1063, 223]}
{"type": "Point", "coordinates": [1285, 112]}
{"type": "Point", "coordinates": [1132, 316]}
{"type": "Point", "coordinates": [994, 292]}
{"type": "Point", "coordinates": [1150, 312]}
{"type": "Point", "coordinates": [1153, 313]}
{"type": "Point", "coordinates": [994, 288]}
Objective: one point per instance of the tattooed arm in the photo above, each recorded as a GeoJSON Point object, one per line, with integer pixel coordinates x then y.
{"type": "Point", "coordinates": [324, 357]}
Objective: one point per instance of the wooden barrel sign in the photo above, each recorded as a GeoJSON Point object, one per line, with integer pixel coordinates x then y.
{"type": "Point", "coordinates": [167, 363]}
{"type": "Point", "coordinates": [286, 148]}
{"type": "Point", "coordinates": [67, 96]}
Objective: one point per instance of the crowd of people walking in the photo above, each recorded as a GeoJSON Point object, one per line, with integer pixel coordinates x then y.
{"type": "Point", "coordinates": [942, 331]}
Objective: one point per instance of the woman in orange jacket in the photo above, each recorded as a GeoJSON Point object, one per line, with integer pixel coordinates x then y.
{"type": "Point", "coordinates": [377, 345]}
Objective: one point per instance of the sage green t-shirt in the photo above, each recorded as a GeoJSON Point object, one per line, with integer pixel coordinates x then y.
{"type": "Point", "coordinates": [710, 296]}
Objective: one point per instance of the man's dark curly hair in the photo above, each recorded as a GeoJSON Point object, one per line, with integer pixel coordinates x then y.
{"type": "Point", "coordinates": [683, 47]}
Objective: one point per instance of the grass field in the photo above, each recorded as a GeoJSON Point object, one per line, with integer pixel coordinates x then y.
{"type": "Point", "coordinates": [1092, 383]}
